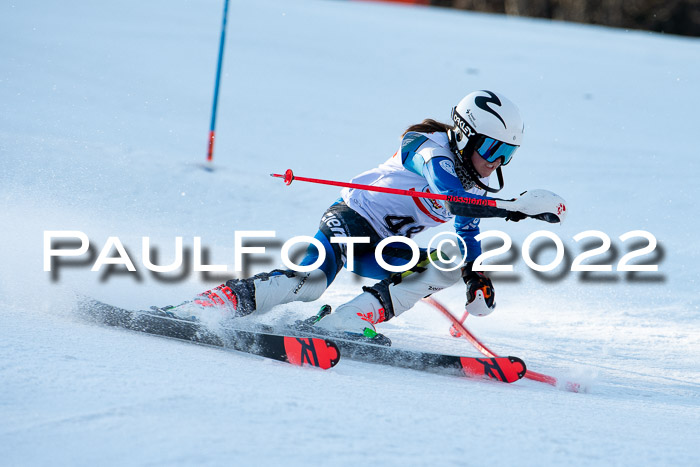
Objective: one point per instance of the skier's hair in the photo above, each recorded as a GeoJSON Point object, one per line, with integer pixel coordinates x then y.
{"type": "Point", "coordinates": [428, 126]}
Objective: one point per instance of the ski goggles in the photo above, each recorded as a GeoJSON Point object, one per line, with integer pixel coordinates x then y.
{"type": "Point", "coordinates": [492, 149]}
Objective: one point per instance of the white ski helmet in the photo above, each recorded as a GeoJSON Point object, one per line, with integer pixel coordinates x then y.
{"type": "Point", "coordinates": [486, 114]}
{"type": "Point", "coordinates": [489, 123]}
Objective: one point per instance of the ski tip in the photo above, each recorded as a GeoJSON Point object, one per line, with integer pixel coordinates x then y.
{"type": "Point", "coordinates": [333, 352]}
{"type": "Point", "coordinates": [518, 361]}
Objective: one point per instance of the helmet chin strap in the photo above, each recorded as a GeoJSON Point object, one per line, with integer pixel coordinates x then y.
{"type": "Point", "coordinates": [468, 166]}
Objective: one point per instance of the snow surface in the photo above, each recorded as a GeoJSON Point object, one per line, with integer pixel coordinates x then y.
{"type": "Point", "coordinates": [104, 112]}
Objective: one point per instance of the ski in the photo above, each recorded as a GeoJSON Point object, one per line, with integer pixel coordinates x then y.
{"type": "Point", "coordinates": [503, 369]}
{"type": "Point", "coordinates": [300, 347]}
{"type": "Point", "coordinates": [296, 350]}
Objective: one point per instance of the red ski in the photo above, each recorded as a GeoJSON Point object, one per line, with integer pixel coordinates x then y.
{"type": "Point", "coordinates": [504, 369]}
{"type": "Point", "coordinates": [302, 351]}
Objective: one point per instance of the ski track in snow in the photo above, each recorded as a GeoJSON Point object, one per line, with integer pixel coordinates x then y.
{"type": "Point", "coordinates": [104, 115]}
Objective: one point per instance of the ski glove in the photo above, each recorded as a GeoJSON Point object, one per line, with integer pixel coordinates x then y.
{"type": "Point", "coordinates": [538, 204]}
{"type": "Point", "coordinates": [515, 216]}
{"type": "Point", "coordinates": [481, 298]}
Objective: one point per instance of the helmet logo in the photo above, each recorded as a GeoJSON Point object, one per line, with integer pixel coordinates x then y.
{"type": "Point", "coordinates": [461, 123]}
{"type": "Point", "coordinates": [482, 102]}
{"type": "Point", "coordinates": [469, 114]}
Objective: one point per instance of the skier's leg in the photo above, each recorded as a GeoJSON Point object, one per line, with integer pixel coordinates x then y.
{"type": "Point", "coordinates": [391, 296]}
{"type": "Point", "coordinates": [264, 291]}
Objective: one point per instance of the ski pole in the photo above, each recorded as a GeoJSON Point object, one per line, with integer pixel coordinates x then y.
{"type": "Point", "coordinates": [289, 177]}
{"type": "Point", "coordinates": [533, 375]}
{"type": "Point", "coordinates": [212, 126]}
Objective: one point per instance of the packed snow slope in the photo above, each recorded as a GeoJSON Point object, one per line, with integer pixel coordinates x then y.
{"type": "Point", "coordinates": [104, 114]}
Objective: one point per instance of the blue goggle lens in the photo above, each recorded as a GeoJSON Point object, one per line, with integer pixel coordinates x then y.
{"type": "Point", "coordinates": [492, 149]}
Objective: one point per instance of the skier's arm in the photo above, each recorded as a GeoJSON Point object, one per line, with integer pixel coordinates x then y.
{"type": "Point", "coordinates": [441, 176]}
{"type": "Point", "coordinates": [539, 204]}
{"type": "Point", "coordinates": [440, 173]}
{"type": "Point", "coordinates": [468, 228]}
{"type": "Point", "coordinates": [419, 156]}
{"type": "Point", "coordinates": [481, 296]}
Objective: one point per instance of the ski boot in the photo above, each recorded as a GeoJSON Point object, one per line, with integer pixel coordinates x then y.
{"type": "Point", "coordinates": [232, 299]}
{"type": "Point", "coordinates": [367, 335]}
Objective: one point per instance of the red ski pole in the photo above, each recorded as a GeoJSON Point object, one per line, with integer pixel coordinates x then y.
{"type": "Point", "coordinates": [533, 375]}
{"type": "Point", "coordinates": [289, 177]}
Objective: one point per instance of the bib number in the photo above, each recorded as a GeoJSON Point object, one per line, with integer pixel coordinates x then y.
{"type": "Point", "coordinates": [396, 223]}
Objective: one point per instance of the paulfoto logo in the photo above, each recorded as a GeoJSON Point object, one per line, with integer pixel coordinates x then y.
{"type": "Point", "coordinates": [447, 252]}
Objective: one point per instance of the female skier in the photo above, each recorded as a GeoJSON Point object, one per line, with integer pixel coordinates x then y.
{"type": "Point", "coordinates": [434, 157]}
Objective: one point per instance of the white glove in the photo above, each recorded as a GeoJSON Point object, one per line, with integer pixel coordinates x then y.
{"type": "Point", "coordinates": [539, 204]}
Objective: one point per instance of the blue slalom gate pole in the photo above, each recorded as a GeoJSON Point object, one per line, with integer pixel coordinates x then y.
{"type": "Point", "coordinates": [212, 127]}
